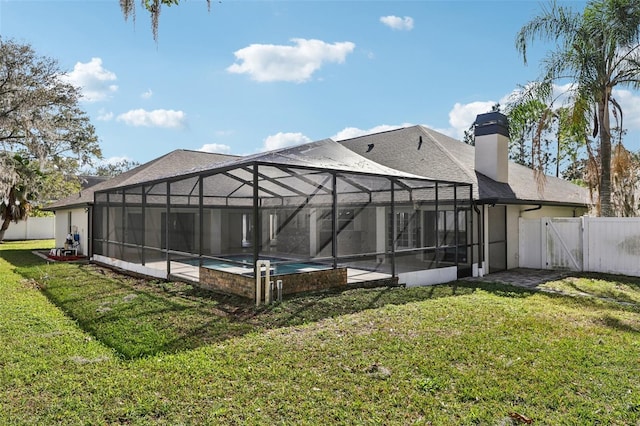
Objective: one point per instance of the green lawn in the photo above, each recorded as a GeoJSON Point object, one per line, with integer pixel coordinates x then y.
{"type": "Point", "coordinates": [82, 345]}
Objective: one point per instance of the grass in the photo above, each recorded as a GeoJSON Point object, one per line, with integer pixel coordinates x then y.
{"type": "Point", "coordinates": [82, 346]}
{"type": "Point", "coordinates": [618, 288]}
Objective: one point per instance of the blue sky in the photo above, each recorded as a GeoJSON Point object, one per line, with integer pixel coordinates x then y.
{"type": "Point", "coordinates": [254, 75]}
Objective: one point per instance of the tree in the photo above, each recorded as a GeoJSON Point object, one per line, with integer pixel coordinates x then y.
{"type": "Point", "coordinates": [527, 120]}
{"type": "Point", "coordinates": [625, 167]}
{"type": "Point", "coordinates": [538, 130]}
{"type": "Point", "coordinates": [44, 135]}
{"type": "Point", "coordinates": [114, 169]}
{"type": "Point", "coordinates": [154, 7]}
{"type": "Point", "coordinates": [597, 51]}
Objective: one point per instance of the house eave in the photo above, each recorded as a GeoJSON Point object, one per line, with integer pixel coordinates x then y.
{"type": "Point", "coordinates": [66, 207]}
{"type": "Point", "coordinates": [491, 201]}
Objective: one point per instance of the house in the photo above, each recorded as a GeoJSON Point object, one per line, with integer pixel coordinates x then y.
{"type": "Point", "coordinates": [503, 191]}
{"type": "Point", "coordinates": [409, 206]}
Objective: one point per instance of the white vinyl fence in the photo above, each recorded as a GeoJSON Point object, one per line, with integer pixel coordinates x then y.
{"type": "Point", "coordinates": [34, 228]}
{"type": "Point", "coordinates": [592, 244]}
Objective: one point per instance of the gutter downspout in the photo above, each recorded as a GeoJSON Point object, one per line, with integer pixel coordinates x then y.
{"type": "Point", "coordinates": [486, 258]}
{"type": "Point", "coordinates": [480, 242]}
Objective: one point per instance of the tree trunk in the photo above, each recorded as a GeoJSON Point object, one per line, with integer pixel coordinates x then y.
{"type": "Point", "coordinates": [606, 209]}
{"type": "Point", "coordinates": [4, 227]}
{"type": "Point", "coordinates": [558, 158]}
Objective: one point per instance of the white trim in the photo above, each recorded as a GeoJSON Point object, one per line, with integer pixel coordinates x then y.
{"type": "Point", "coordinates": [129, 266]}
{"type": "Point", "coordinates": [428, 276]}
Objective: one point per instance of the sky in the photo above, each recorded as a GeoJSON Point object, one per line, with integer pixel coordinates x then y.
{"type": "Point", "coordinates": [249, 76]}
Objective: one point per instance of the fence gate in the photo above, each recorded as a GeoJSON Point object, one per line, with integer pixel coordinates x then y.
{"type": "Point", "coordinates": [551, 243]}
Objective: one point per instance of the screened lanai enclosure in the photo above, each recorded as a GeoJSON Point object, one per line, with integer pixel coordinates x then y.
{"type": "Point", "coordinates": [320, 214]}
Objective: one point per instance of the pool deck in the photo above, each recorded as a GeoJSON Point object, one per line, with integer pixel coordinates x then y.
{"type": "Point", "coordinates": [192, 273]}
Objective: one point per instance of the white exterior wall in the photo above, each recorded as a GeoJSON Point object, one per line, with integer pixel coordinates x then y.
{"type": "Point", "coordinates": [79, 224]}
{"type": "Point", "coordinates": [513, 214]}
{"type": "Point", "coordinates": [34, 228]}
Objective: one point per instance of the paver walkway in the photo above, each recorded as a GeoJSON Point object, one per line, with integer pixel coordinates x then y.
{"type": "Point", "coordinates": [522, 277]}
{"type": "Point", "coordinates": [533, 278]}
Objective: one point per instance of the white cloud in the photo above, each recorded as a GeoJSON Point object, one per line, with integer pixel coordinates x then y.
{"type": "Point", "coordinates": [114, 160]}
{"type": "Point", "coordinates": [217, 148]}
{"type": "Point", "coordinates": [282, 140]}
{"type": "Point", "coordinates": [147, 94]}
{"type": "Point", "coordinates": [398, 23]}
{"type": "Point", "coordinates": [297, 63]}
{"type": "Point", "coordinates": [354, 132]}
{"type": "Point", "coordinates": [157, 118]}
{"type": "Point", "coordinates": [463, 115]}
{"type": "Point", "coordinates": [95, 81]}
{"type": "Point", "coordinates": [104, 115]}
{"type": "Point", "coordinates": [630, 103]}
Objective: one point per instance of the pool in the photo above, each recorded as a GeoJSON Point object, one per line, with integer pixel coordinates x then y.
{"type": "Point", "coordinates": [235, 275]}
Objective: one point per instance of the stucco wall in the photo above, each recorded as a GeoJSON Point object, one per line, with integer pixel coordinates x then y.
{"type": "Point", "coordinates": [79, 224]}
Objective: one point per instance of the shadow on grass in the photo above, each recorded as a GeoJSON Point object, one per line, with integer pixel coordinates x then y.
{"type": "Point", "coordinates": [21, 258]}
{"type": "Point", "coordinates": [139, 317]}
{"type": "Point", "coordinates": [616, 324]}
{"type": "Point", "coordinates": [168, 317]}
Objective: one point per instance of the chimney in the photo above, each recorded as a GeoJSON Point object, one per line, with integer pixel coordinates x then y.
{"type": "Point", "coordinates": [492, 146]}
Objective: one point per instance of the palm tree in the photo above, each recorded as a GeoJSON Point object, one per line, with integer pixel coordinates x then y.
{"type": "Point", "coordinates": [597, 51]}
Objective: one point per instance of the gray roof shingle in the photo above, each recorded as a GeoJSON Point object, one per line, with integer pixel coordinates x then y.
{"type": "Point", "coordinates": [172, 164]}
{"type": "Point", "coordinates": [425, 152]}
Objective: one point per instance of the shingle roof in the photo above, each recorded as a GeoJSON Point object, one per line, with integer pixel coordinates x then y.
{"type": "Point", "coordinates": [325, 154]}
{"type": "Point", "coordinates": [414, 151]}
{"type": "Point", "coordinates": [174, 163]}
{"type": "Point", "coordinates": [423, 151]}
{"type": "Point", "coordinates": [87, 181]}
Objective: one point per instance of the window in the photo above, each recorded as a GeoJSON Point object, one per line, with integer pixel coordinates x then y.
{"type": "Point", "coordinates": [405, 226]}
{"type": "Point", "coordinates": [440, 229]}
{"type": "Point", "coordinates": [446, 228]}
{"type": "Point", "coordinates": [273, 227]}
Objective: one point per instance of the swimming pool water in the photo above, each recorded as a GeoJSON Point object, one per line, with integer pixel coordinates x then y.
{"type": "Point", "coordinates": [243, 265]}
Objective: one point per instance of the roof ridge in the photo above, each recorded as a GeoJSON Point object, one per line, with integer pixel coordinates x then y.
{"type": "Point", "coordinates": [442, 148]}
{"type": "Point", "coordinates": [376, 133]}
{"type": "Point", "coordinates": [205, 152]}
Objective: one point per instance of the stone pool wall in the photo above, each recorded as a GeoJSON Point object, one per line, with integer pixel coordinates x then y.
{"type": "Point", "coordinates": [244, 286]}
